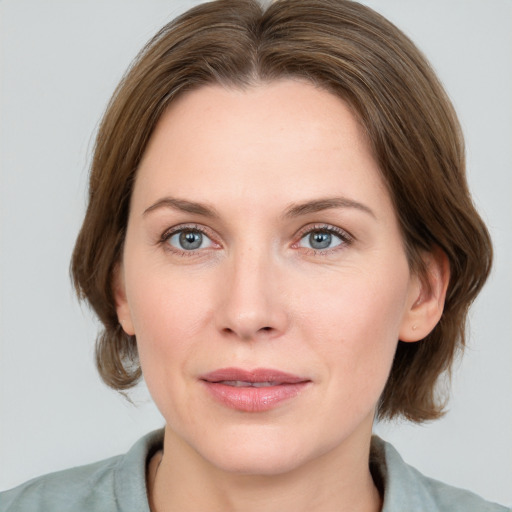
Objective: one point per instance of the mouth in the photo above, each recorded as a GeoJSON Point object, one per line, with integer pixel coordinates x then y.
{"type": "Point", "coordinates": [245, 384]}
{"type": "Point", "coordinates": [256, 390]}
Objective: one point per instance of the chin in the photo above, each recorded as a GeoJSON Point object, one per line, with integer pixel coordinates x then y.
{"type": "Point", "coordinates": [262, 453]}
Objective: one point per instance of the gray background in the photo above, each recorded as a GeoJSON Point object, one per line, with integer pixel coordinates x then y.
{"type": "Point", "coordinates": [59, 63]}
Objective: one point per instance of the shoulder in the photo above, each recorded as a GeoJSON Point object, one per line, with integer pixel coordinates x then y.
{"type": "Point", "coordinates": [405, 488]}
{"type": "Point", "coordinates": [73, 489]}
{"type": "Point", "coordinates": [115, 484]}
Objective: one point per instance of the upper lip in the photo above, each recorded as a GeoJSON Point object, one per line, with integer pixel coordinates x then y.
{"type": "Point", "coordinates": [256, 375]}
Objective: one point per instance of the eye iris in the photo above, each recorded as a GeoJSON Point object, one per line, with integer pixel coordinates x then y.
{"type": "Point", "coordinates": [320, 240]}
{"type": "Point", "coordinates": [191, 240]}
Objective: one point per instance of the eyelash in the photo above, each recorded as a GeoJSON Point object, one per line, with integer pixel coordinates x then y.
{"type": "Point", "coordinates": [169, 233]}
{"type": "Point", "coordinates": [344, 236]}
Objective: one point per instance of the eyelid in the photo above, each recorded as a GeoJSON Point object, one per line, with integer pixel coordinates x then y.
{"type": "Point", "coordinates": [169, 232]}
{"type": "Point", "coordinates": [343, 234]}
{"type": "Point", "coordinates": [182, 227]}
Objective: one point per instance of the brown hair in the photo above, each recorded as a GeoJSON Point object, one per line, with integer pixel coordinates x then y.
{"type": "Point", "coordinates": [356, 54]}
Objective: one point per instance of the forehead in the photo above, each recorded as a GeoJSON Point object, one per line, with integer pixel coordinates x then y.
{"type": "Point", "coordinates": [281, 138]}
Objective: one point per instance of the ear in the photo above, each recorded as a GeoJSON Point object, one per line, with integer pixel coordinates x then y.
{"type": "Point", "coordinates": [122, 308]}
{"type": "Point", "coordinates": [426, 298]}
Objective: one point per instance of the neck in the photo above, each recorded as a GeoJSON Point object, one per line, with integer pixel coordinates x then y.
{"type": "Point", "coordinates": [179, 479]}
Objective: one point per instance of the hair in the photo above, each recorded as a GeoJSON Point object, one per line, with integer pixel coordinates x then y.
{"type": "Point", "coordinates": [356, 54]}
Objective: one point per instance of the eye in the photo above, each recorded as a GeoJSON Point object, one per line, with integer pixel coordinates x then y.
{"type": "Point", "coordinates": [189, 239]}
{"type": "Point", "coordinates": [323, 239]}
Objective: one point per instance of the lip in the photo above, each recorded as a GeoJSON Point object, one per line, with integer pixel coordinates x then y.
{"type": "Point", "coordinates": [257, 390]}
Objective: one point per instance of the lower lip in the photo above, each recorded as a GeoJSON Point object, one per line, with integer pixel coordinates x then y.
{"type": "Point", "coordinates": [251, 399]}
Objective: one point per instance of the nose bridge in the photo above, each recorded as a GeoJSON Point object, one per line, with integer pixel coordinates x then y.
{"type": "Point", "coordinates": [251, 306]}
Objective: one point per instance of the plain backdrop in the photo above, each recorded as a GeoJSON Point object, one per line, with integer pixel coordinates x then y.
{"type": "Point", "coordinates": [59, 62]}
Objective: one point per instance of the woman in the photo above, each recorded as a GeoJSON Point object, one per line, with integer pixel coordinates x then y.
{"type": "Point", "coordinates": [276, 199]}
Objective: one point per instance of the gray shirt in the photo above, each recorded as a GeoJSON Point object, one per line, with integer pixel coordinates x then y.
{"type": "Point", "coordinates": [118, 484]}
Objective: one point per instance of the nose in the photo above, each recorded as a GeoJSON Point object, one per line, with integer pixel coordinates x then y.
{"type": "Point", "coordinates": [252, 300]}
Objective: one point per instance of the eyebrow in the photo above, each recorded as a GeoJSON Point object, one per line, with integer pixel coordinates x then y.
{"type": "Point", "coordinates": [318, 205]}
{"type": "Point", "coordinates": [184, 206]}
{"type": "Point", "coordinates": [294, 210]}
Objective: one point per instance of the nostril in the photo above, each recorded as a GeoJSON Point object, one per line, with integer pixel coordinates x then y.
{"type": "Point", "coordinates": [250, 334]}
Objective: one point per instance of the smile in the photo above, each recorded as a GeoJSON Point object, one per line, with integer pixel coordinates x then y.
{"type": "Point", "coordinates": [258, 390]}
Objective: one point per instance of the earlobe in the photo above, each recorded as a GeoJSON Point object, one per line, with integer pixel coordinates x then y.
{"type": "Point", "coordinates": [427, 298]}
{"type": "Point", "coordinates": [122, 308]}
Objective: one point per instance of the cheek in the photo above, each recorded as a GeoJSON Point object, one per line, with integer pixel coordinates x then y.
{"type": "Point", "coordinates": [168, 312]}
{"type": "Point", "coordinates": [168, 316]}
{"type": "Point", "coordinates": [351, 301]}
{"type": "Point", "coordinates": [354, 319]}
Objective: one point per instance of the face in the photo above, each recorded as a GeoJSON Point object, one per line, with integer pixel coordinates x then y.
{"type": "Point", "coordinates": [264, 276]}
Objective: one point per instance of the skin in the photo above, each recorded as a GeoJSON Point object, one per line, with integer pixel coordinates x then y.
{"type": "Point", "coordinates": [255, 294]}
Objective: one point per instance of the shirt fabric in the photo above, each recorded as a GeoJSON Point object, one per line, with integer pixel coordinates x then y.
{"type": "Point", "coordinates": [118, 484]}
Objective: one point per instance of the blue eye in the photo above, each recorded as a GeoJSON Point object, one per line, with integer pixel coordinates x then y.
{"type": "Point", "coordinates": [189, 240]}
{"type": "Point", "coordinates": [321, 239]}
